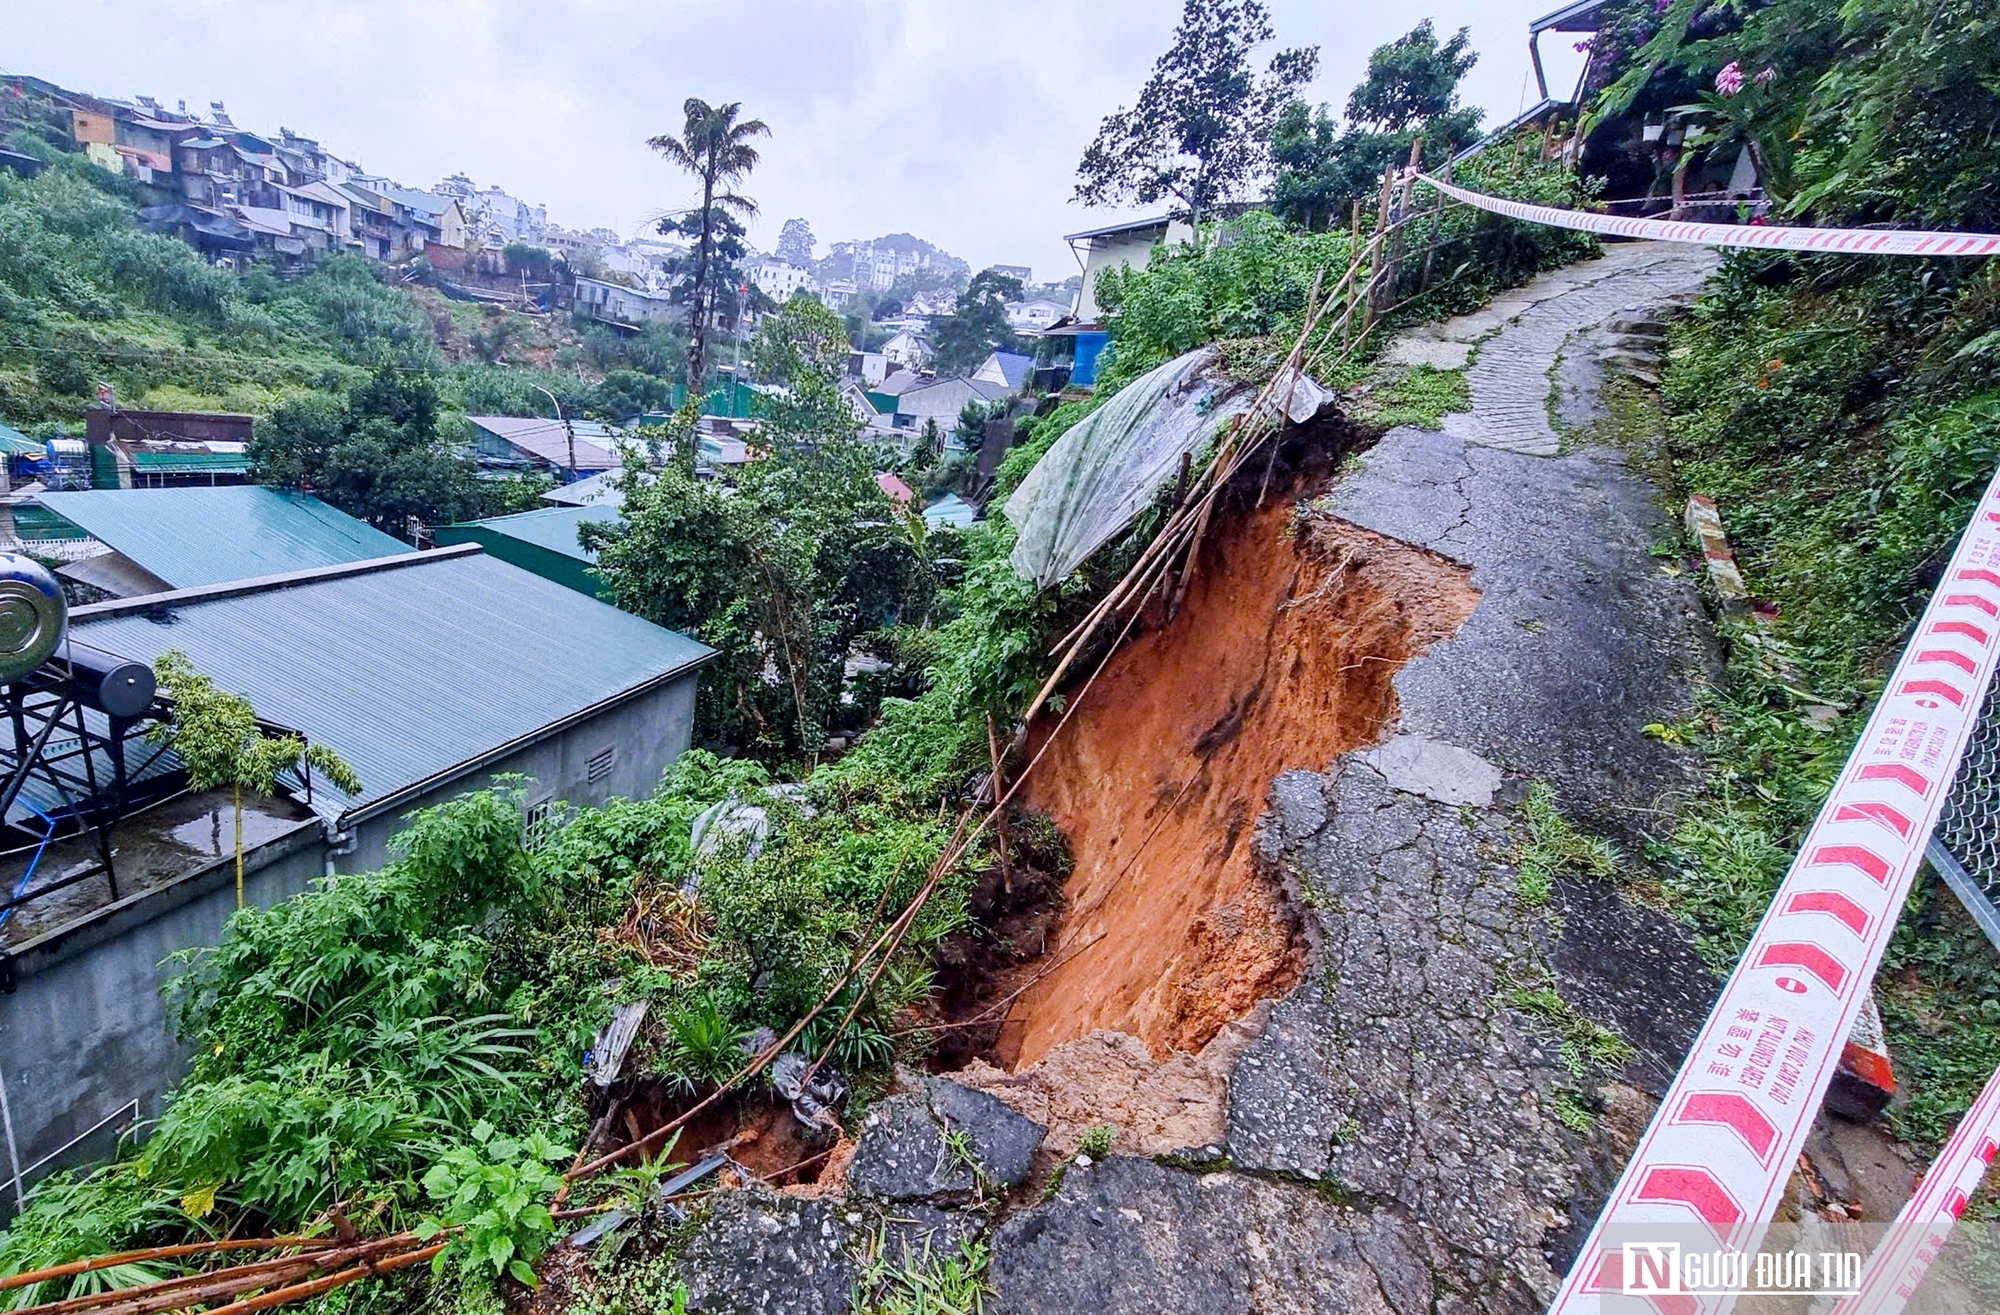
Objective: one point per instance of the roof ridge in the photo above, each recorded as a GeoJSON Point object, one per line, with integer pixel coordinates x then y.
{"type": "Point", "coordinates": [264, 583]}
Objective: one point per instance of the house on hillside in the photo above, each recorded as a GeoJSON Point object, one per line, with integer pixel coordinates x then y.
{"type": "Point", "coordinates": [870, 368]}
{"type": "Point", "coordinates": [1031, 317]}
{"type": "Point", "coordinates": [898, 382]}
{"type": "Point", "coordinates": [907, 351]}
{"type": "Point", "coordinates": [777, 279]}
{"type": "Point", "coordinates": [424, 217]}
{"type": "Point", "coordinates": [1641, 153]}
{"type": "Point", "coordinates": [1009, 370]}
{"type": "Point", "coordinates": [319, 213]}
{"type": "Point", "coordinates": [1129, 244]}
{"type": "Point", "coordinates": [545, 541]}
{"type": "Point", "coordinates": [528, 444]}
{"type": "Point", "coordinates": [618, 305]}
{"type": "Point", "coordinates": [447, 671]}
{"type": "Point", "coordinates": [941, 400]}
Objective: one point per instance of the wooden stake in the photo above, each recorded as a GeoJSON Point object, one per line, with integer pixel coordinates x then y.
{"type": "Point", "coordinates": [999, 795]}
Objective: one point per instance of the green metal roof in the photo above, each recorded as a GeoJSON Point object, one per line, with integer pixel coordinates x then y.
{"type": "Point", "coordinates": [15, 443]}
{"type": "Point", "coordinates": [554, 528]}
{"type": "Point", "coordinates": [197, 536]}
{"type": "Point", "coordinates": [416, 670]}
{"type": "Point", "coordinates": [218, 461]}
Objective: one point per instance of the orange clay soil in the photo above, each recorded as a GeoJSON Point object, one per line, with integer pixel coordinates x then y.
{"type": "Point", "coordinates": [1281, 657]}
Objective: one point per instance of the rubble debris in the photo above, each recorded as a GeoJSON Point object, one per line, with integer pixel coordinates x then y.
{"type": "Point", "coordinates": [608, 1047]}
{"type": "Point", "coordinates": [765, 1254]}
{"type": "Point", "coordinates": [663, 1195]}
{"type": "Point", "coordinates": [600, 1227]}
{"type": "Point", "coordinates": [814, 1099]}
{"type": "Point", "coordinates": [942, 1143]}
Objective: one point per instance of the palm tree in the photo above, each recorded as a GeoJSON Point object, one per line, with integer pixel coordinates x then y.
{"type": "Point", "coordinates": [715, 148]}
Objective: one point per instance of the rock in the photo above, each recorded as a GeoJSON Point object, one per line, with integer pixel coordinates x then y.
{"type": "Point", "coordinates": [904, 1153]}
{"type": "Point", "coordinates": [1003, 1141]}
{"type": "Point", "coordinates": [902, 1156]}
{"type": "Point", "coordinates": [907, 1234]}
{"type": "Point", "coordinates": [759, 1253]}
{"type": "Point", "coordinates": [1435, 770]}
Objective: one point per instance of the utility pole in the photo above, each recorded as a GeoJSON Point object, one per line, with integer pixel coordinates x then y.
{"type": "Point", "coordinates": [568, 429]}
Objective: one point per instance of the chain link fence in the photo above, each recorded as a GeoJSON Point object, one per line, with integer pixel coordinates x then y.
{"type": "Point", "coordinates": [1965, 847]}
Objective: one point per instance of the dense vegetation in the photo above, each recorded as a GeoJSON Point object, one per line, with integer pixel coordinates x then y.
{"type": "Point", "coordinates": [87, 298]}
{"type": "Point", "coordinates": [407, 1045]}
{"type": "Point", "coordinates": [1845, 413]}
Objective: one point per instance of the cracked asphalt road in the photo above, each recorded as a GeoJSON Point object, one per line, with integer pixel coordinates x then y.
{"type": "Point", "coordinates": [1397, 1094]}
{"type": "Point", "coordinates": [1395, 1140]}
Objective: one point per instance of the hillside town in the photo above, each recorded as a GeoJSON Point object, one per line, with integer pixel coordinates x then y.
{"type": "Point", "coordinates": [1412, 732]}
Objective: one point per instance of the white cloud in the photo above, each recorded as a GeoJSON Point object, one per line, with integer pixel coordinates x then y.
{"type": "Point", "coordinates": [959, 122]}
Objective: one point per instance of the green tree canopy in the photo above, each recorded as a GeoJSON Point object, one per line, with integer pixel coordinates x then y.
{"type": "Point", "coordinates": [379, 458]}
{"type": "Point", "coordinates": [1411, 90]}
{"type": "Point", "coordinates": [803, 349]}
{"type": "Point", "coordinates": [979, 326]}
{"type": "Point", "coordinates": [779, 573]}
{"type": "Point", "coordinates": [1199, 130]}
{"type": "Point", "coordinates": [714, 146]}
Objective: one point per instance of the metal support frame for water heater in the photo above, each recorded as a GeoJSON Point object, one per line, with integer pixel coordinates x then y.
{"type": "Point", "coordinates": [53, 740]}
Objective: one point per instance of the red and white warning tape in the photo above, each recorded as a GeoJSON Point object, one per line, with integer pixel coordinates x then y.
{"type": "Point", "coordinates": [1858, 241]}
{"type": "Point", "coordinates": [1722, 1146]}
{"type": "Point", "coordinates": [1920, 1232]}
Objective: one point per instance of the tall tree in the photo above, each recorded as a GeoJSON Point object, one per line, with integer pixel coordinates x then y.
{"type": "Point", "coordinates": [380, 458]}
{"type": "Point", "coordinates": [715, 147]}
{"type": "Point", "coordinates": [1411, 90]}
{"type": "Point", "coordinates": [979, 325]}
{"type": "Point", "coordinates": [1199, 130]}
{"type": "Point", "coordinates": [796, 242]}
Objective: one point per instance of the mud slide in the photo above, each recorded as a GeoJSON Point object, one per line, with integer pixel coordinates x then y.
{"type": "Point", "coordinates": [1281, 657]}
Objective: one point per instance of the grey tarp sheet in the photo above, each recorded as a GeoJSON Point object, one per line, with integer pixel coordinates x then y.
{"type": "Point", "coordinates": [1097, 478]}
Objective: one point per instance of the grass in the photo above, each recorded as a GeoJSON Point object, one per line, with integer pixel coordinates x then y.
{"type": "Point", "coordinates": [1585, 1046]}
{"type": "Point", "coordinates": [1554, 846]}
{"type": "Point", "coordinates": [1421, 395]}
{"type": "Point", "coordinates": [923, 1282]}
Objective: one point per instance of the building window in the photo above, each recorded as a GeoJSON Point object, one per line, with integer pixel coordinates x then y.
{"type": "Point", "coordinates": [599, 764]}
{"type": "Point", "coordinates": [545, 818]}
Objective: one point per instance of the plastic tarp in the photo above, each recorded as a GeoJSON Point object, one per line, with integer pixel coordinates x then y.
{"type": "Point", "coordinates": [1096, 479]}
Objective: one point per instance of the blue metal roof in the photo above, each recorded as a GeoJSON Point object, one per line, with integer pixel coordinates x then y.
{"type": "Point", "coordinates": [196, 536]}
{"type": "Point", "coordinates": [553, 528]}
{"type": "Point", "coordinates": [414, 670]}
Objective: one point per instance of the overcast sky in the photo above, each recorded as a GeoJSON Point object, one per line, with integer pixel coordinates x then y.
{"type": "Point", "coordinates": [960, 122]}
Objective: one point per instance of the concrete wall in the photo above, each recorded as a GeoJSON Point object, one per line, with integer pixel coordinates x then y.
{"type": "Point", "coordinates": [84, 1039]}
{"type": "Point", "coordinates": [646, 733]}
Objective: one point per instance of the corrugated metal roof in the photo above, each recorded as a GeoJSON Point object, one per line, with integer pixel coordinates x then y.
{"type": "Point", "coordinates": [413, 670]}
{"type": "Point", "coordinates": [601, 487]}
{"type": "Point", "coordinates": [553, 528]}
{"type": "Point", "coordinates": [14, 442]}
{"type": "Point", "coordinates": [548, 440]}
{"type": "Point", "coordinates": [197, 536]}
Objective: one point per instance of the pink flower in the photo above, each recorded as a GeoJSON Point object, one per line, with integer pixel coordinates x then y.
{"type": "Point", "coordinates": [1763, 78]}
{"type": "Point", "coordinates": [1661, 7]}
{"type": "Point", "coordinates": [1583, 44]}
{"type": "Point", "coordinates": [1730, 80]}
